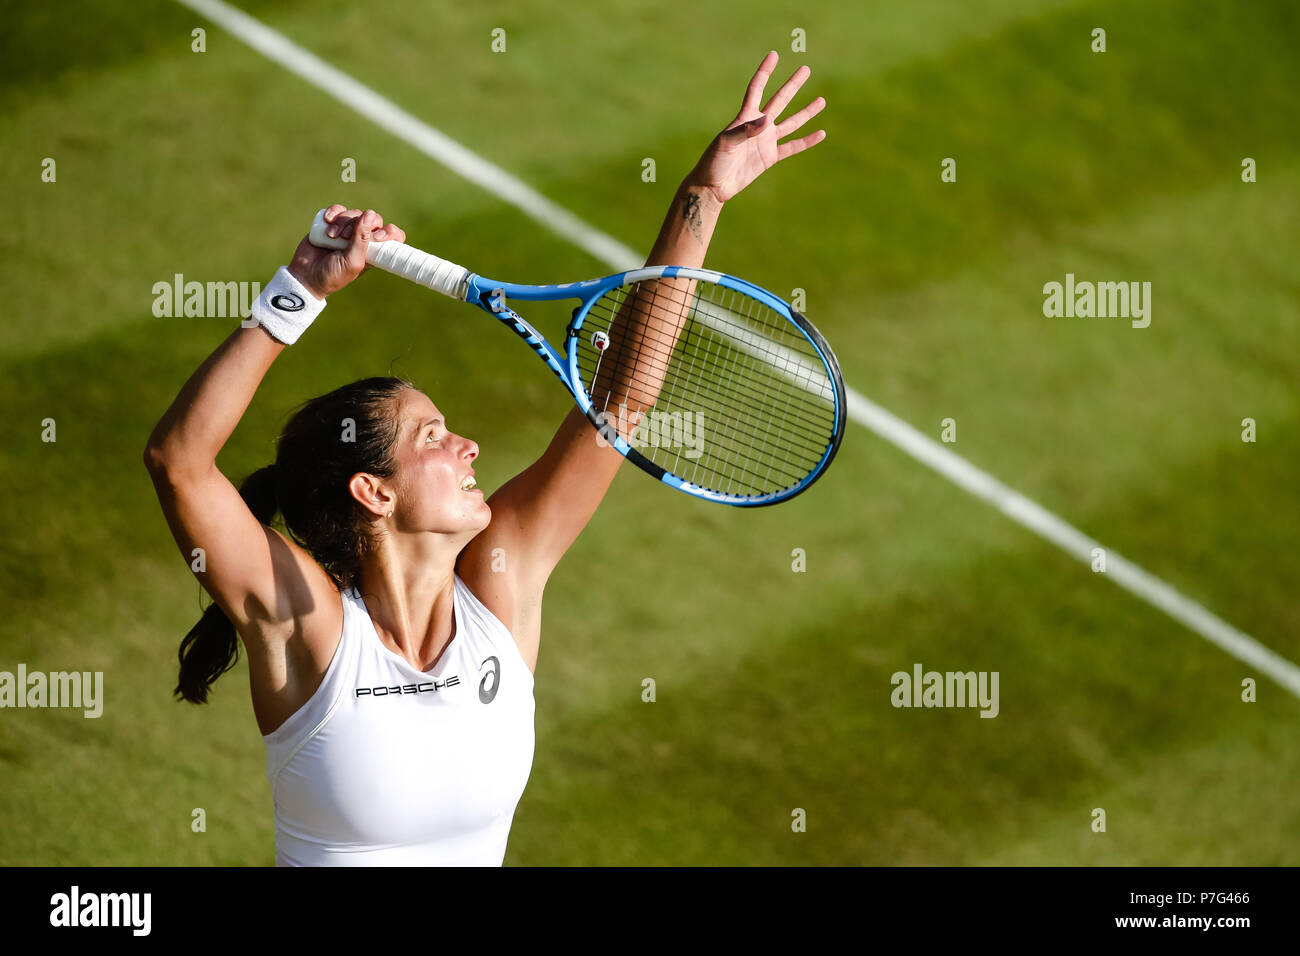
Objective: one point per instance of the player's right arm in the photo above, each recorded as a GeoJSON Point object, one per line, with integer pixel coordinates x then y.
{"type": "Point", "coordinates": [250, 571]}
{"type": "Point", "coordinates": [268, 587]}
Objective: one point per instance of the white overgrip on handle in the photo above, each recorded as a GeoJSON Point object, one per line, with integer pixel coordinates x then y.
{"type": "Point", "coordinates": [400, 259]}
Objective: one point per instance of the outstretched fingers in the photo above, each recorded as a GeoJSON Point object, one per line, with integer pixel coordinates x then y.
{"type": "Point", "coordinates": [793, 122]}
{"type": "Point", "coordinates": [799, 145]}
{"type": "Point", "coordinates": [782, 97]}
{"type": "Point", "coordinates": [754, 92]}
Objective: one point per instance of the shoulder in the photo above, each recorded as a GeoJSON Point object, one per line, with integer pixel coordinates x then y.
{"type": "Point", "coordinates": [288, 662]}
{"type": "Point", "coordinates": [499, 589]}
{"type": "Point", "coordinates": [305, 590]}
{"type": "Point", "coordinates": [308, 617]}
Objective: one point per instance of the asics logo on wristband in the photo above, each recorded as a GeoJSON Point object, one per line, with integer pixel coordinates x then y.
{"type": "Point", "coordinates": [287, 302]}
{"type": "Point", "coordinates": [286, 307]}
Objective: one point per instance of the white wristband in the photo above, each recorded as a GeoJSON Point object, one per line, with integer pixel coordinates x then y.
{"type": "Point", "coordinates": [286, 307]}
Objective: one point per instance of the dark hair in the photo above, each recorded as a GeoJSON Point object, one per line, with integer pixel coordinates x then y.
{"type": "Point", "coordinates": [327, 441]}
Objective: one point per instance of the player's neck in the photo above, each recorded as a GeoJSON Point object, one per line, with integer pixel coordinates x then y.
{"type": "Point", "coordinates": [409, 593]}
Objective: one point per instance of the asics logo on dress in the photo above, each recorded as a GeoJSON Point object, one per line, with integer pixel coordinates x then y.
{"type": "Point", "coordinates": [486, 696]}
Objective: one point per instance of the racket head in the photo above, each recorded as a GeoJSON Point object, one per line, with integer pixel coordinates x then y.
{"type": "Point", "coordinates": [751, 407]}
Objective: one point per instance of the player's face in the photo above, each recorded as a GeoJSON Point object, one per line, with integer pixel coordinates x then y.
{"type": "Point", "coordinates": [434, 480]}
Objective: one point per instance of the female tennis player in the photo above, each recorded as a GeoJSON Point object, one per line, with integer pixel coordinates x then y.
{"type": "Point", "coordinates": [393, 635]}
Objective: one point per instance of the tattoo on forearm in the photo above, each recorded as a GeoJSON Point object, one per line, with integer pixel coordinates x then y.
{"type": "Point", "coordinates": [691, 213]}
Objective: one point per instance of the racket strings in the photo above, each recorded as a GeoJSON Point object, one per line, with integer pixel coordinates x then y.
{"type": "Point", "coordinates": [799, 412]}
{"type": "Point", "coordinates": [735, 400]}
{"type": "Point", "coordinates": [808, 376]}
{"type": "Point", "coordinates": [799, 371]}
{"type": "Point", "coordinates": [786, 442]}
{"type": "Point", "coordinates": [732, 395]}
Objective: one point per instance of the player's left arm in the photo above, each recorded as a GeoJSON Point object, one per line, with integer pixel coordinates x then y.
{"type": "Point", "coordinates": [539, 513]}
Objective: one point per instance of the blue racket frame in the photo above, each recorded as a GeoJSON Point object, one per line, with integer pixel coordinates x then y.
{"type": "Point", "coordinates": [491, 296]}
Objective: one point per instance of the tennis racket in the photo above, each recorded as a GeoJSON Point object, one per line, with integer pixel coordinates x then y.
{"type": "Point", "coordinates": [707, 382]}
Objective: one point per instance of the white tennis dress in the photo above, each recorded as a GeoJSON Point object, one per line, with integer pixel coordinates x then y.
{"type": "Point", "coordinates": [387, 765]}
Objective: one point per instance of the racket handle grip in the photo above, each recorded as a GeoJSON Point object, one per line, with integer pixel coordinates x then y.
{"type": "Point", "coordinates": [401, 259]}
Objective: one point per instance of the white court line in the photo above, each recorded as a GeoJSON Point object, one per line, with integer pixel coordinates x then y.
{"type": "Point", "coordinates": [437, 146]}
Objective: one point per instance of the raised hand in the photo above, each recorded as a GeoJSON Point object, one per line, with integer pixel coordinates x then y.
{"type": "Point", "coordinates": [324, 271]}
{"type": "Point", "coordinates": [749, 144]}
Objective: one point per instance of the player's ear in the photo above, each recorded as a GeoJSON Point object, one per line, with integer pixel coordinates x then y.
{"type": "Point", "coordinates": [370, 493]}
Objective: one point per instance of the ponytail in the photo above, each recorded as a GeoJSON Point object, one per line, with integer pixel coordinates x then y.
{"type": "Point", "coordinates": [212, 647]}
{"type": "Point", "coordinates": [258, 492]}
{"type": "Point", "coordinates": [308, 487]}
